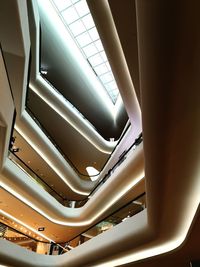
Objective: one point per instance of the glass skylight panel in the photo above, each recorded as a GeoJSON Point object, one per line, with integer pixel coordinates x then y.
{"type": "Point", "coordinates": [114, 98]}
{"type": "Point", "coordinates": [101, 69]}
{"type": "Point", "coordinates": [111, 85]}
{"type": "Point", "coordinates": [103, 55]}
{"type": "Point", "coordinates": [114, 94]}
{"type": "Point", "coordinates": [90, 50]}
{"type": "Point", "coordinates": [62, 4]}
{"type": "Point", "coordinates": [107, 77]}
{"type": "Point", "coordinates": [99, 45]}
{"type": "Point", "coordinates": [94, 34]}
{"type": "Point", "coordinates": [75, 1]}
{"type": "Point", "coordinates": [70, 15]}
{"type": "Point", "coordinates": [84, 39]}
{"type": "Point", "coordinates": [108, 66]}
{"type": "Point", "coordinates": [82, 8]}
{"type": "Point", "coordinates": [88, 21]}
{"type": "Point", "coordinates": [111, 94]}
{"type": "Point", "coordinates": [77, 27]}
{"type": "Point", "coordinates": [95, 60]}
{"type": "Point", "coordinates": [78, 20]}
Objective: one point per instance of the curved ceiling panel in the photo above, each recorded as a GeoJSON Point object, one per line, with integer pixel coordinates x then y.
{"type": "Point", "coordinates": [66, 71]}
{"type": "Point", "coordinates": [112, 45]}
{"type": "Point", "coordinates": [77, 150]}
{"type": "Point", "coordinates": [37, 164]}
{"type": "Point", "coordinates": [15, 181]}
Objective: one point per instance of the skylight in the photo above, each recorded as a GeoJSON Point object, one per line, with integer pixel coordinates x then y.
{"type": "Point", "coordinates": [77, 18]}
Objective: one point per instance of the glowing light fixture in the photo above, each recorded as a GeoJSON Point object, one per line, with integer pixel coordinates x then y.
{"type": "Point", "coordinates": [93, 173]}
{"type": "Point", "coordinates": [25, 225]}
{"type": "Point", "coordinates": [61, 175]}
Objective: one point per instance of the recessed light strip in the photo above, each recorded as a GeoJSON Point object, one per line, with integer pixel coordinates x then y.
{"type": "Point", "coordinates": [25, 225]}
{"type": "Point", "coordinates": [73, 221]}
{"type": "Point", "coordinates": [57, 171]}
{"type": "Point", "coordinates": [106, 146]}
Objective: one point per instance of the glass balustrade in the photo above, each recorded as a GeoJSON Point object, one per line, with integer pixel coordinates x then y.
{"type": "Point", "coordinates": [25, 168]}
{"type": "Point", "coordinates": [37, 242]}
{"type": "Point", "coordinates": [124, 213]}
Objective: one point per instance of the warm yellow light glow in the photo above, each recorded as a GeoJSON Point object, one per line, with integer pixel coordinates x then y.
{"type": "Point", "coordinates": [25, 225]}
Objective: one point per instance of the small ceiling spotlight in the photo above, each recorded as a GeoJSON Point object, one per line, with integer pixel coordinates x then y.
{"type": "Point", "coordinates": [44, 72]}
{"type": "Point", "coordinates": [41, 229]}
{"type": "Point", "coordinates": [15, 149]}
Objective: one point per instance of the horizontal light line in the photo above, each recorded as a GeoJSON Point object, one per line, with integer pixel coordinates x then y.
{"type": "Point", "coordinates": [66, 119]}
{"type": "Point", "coordinates": [68, 223]}
{"type": "Point", "coordinates": [25, 225]}
{"type": "Point", "coordinates": [57, 171]}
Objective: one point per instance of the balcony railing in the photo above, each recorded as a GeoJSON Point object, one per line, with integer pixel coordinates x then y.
{"type": "Point", "coordinates": [25, 168]}
{"type": "Point", "coordinates": [28, 239]}
{"type": "Point", "coordinates": [64, 201]}
{"type": "Point", "coordinates": [20, 235]}
{"type": "Point", "coordinates": [121, 214]}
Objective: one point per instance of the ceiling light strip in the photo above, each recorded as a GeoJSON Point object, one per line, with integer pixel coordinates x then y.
{"type": "Point", "coordinates": [85, 222]}
{"type": "Point", "coordinates": [4, 213]}
{"type": "Point", "coordinates": [49, 162]}
{"type": "Point", "coordinates": [78, 129]}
